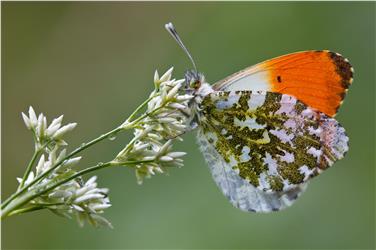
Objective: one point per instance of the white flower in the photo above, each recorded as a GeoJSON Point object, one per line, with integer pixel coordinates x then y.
{"type": "Point", "coordinates": [85, 201]}
{"type": "Point", "coordinates": [28, 180]}
{"type": "Point", "coordinates": [44, 165]}
{"type": "Point", "coordinates": [32, 117]}
{"type": "Point", "coordinates": [154, 135]}
{"type": "Point", "coordinates": [150, 152]}
{"type": "Point", "coordinates": [166, 76]}
{"type": "Point", "coordinates": [45, 136]}
{"type": "Point", "coordinates": [27, 121]}
{"type": "Point", "coordinates": [63, 130]}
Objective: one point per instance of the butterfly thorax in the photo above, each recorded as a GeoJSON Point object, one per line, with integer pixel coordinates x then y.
{"type": "Point", "coordinates": [196, 86]}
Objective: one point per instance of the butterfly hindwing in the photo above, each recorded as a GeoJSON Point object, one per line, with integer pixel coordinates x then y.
{"type": "Point", "coordinates": [268, 144]}
{"type": "Point", "coordinates": [319, 79]}
{"type": "Point", "coordinates": [239, 191]}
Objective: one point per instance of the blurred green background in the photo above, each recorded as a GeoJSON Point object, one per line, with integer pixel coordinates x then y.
{"type": "Point", "coordinates": [94, 63]}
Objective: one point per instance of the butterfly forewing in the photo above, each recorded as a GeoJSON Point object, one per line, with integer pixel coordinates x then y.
{"type": "Point", "coordinates": [319, 79]}
{"type": "Point", "coordinates": [268, 141]}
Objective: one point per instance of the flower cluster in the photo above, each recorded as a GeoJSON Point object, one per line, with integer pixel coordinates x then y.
{"type": "Point", "coordinates": [46, 164]}
{"type": "Point", "coordinates": [83, 200]}
{"type": "Point", "coordinates": [75, 198]}
{"type": "Point", "coordinates": [56, 185]}
{"type": "Point", "coordinates": [46, 136]}
{"type": "Point", "coordinates": [164, 120]}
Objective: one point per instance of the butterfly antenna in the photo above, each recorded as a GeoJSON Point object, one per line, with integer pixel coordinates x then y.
{"type": "Point", "coordinates": [171, 29]}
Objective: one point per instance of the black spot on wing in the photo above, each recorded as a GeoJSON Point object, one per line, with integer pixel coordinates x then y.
{"type": "Point", "coordinates": [279, 79]}
{"type": "Point", "coordinates": [344, 68]}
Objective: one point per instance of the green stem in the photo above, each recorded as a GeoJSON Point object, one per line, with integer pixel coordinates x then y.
{"type": "Point", "coordinates": [33, 208]}
{"type": "Point", "coordinates": [139, 108]}
{"type": "Point", "coordinates": [127, 125]}
{"type": "Point", "coordinates": [88, 170]}
{"type": "Point", "coordinates": [144, 116]}
{"type": "Point", "coordinates": [25, 210]}
{"type": "Point", "coordinates": [76, 151]}
{"type": "Point", "coordinates": [15, 204]}
{"type": "Point", "coordinates": [36, 154]}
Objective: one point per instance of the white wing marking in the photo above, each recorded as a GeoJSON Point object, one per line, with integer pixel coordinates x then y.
{"type": "Point", "coordinates": [240, 192]}
{"type": "Point", "coordinates": [243, 80]}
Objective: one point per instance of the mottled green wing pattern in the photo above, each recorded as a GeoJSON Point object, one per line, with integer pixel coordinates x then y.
{"type": "Point", "coordinates": [270, 140]}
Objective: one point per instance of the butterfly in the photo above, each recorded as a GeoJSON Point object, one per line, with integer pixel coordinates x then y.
{"type": "Point", "coordinates": [267, 130]}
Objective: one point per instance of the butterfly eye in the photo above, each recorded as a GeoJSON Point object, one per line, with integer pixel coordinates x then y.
{"type": "Point", "coordinates": [195, 84]}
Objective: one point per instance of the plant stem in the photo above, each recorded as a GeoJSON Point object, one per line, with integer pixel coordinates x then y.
{"type": "Point", "coordinates": [126, 125]}
{"type": "Point", "coordinates": [138, 109]}
{"type": "Point", "coordinates": [33, 208]}
{"type": "Point", "coordinates": [25, 210]}
{"type": "Point", "coordinates": [76, 151]}
{"type": "Point", "coordinates": [91, 169]}
{"type": "Point", "coordinates": [14, 204]}
{"type": "Point", "coordinates": [19, 202]}
{"type": "Point", "coordinates": [36, 154]}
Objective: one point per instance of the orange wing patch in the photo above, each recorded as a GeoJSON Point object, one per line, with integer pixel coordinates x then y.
{"type": "Point", "coordinates": [320, 79]}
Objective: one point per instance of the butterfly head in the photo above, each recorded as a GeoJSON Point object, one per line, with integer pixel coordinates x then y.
{"type": "Point", "coordinates": [193, 80]}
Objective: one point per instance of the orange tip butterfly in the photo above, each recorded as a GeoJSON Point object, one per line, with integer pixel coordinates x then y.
{"type": "Point", "coordinates": [267, 130]}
